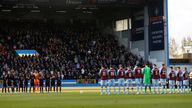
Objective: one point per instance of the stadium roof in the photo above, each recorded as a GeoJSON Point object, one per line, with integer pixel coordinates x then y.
{"type": "Point", "coordinates": [68, 8]}
{"type": "Point", "coordinates": [68, 3]}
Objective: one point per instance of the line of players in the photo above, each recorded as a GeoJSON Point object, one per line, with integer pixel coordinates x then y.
{"type": "Point", "coordinates": [160, 78]}
{"type": "Point", "coordinates": [27, 83]}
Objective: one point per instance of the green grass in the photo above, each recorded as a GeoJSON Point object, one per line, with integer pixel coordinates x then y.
{"type": "Point", "coordinates": [94, 100]}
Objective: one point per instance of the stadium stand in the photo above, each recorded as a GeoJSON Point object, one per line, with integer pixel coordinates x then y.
{"type": "Point", "coordinates": [76, 52]}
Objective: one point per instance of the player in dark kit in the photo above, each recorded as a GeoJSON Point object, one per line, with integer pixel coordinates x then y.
{"type": "Point", "coordinates": [32, 77]}
{"type": "Point", "coordinates": [20, 82]}
{"type": "Point", "coordinates": [26, 79]}
{"type": "Point", "coordinates": [41, 78]}
{"type": "Point", "coordinates": [47, 78]}
{"type": "Point", "coordinates": [15, 85]}
{"type": "Point", "coordinates": [12, 81]}
{"type": "Point", "coordinates": [58, 78]}
{"type": "Point", "coordinates": [52, 81]}
{"type": "Point", "coordinates": [9, 81]}
{"type": "Point", "coordinates": [4, 83]}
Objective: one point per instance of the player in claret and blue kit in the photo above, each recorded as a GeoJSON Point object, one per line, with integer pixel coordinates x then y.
{"type": "Point", "coordinates": [111, 79]}
{"type": "Point", "coordinates": [138, 78]}
{"type": "Point", "coordinates": [163, 78]}
{"type": "Point", "coordinates": [103, 76]}
{"type": "Point", "coordinates": [155, 78]}
{"type": "Point", "coordinates": [121, 78]}
{"type": "Point", "coordinates": [186, 80]}
{"type": "Point", "coordinates": [179, 79]}
{"type": "Point", "coordinates": [172, 76]}
{"type": "Point", "coordinates": [129, 79]}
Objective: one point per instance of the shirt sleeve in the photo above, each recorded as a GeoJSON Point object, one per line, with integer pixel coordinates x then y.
{"type": "Point", "coordinates": [108, 72]}
{"type": "Point", "coordinates": [152, 71]}
{"type": "Point", "coordinates": [100, 72]}
{"type": "Point", "coordinates": [134, 68]}
{"type": "Point", "coordinates": [126, 71]}
{"type": "Point", "coordinates": [143, 70]}
{"type": "Point", "coordinates": [117, 72]}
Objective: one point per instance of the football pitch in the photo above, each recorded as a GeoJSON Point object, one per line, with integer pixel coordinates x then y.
{"type": "Point", "coordinates": [94, 100]}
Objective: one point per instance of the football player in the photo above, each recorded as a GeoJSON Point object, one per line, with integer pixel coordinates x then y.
{"type": "Point", "coordinates": [121, 78]}
{"type": "Point", "coordinates": [186, 80]}
{"type": "Point", "coordinates": [103, 76]}
{"type": "Point", "coordinates": [129, 79]}
{"type": "Point", "coordinates": [155, 78]}
{"type": "Point", "coordinates": [172, 76]}
{"type": "Point", "coordinates": [138, 78]}
{"type": "Point", "coordinates": [163, 78]}
{"type": "Point", "coordinates": [179, 79]}
{"type": "Point", "coordinates": [111, 79]}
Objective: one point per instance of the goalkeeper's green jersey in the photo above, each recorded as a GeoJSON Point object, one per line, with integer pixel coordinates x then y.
{"type": "Point", "coordinates": [146, 72]}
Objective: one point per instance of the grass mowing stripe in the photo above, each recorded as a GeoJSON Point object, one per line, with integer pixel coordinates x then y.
{"type": "Point", "coordinates": [94, 100]}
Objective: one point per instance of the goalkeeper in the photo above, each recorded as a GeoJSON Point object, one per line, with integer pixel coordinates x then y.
{"type": "Point", "coordinates": [146, 77]}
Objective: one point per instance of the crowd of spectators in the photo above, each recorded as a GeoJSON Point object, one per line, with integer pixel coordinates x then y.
{"type": "Point", "coordinates": [75, 52]}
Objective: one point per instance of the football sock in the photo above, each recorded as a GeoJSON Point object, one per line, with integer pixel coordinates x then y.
{"type": "Point", "coordinates": [165, 88]}
{"type": "Point", "coordinates": [162, 88]}
{"type": "Point", "coordinates": [174, 88]}
{"type": "Point", "coordinates": [184, 89]}
{"type": "Point", "coordinates": [137, 88]}
{"type": "Point", "coordinates": [132, 90]}
{"type": "Point", "coordinates": [150, 89]}
{"type": "Point", "coordinates": [119, 90]}
{"type": "Point", "coordinates": [128, 90]}
{"type": "Point", "coordinates": [178, 88]}
{"type": "Point", "coordinates": [171, 88]}
{"type": "Point", "coordinates": [141, 88]}
{"type": "Point", "coordinates": [101, 89]}
{"type": "Point", "coordinates": [188, 88]}
{"type": "Point", "coordinates": [124, 88]}
{"type": "Point", "coordinates": [108, 89]}
{"type": "Point", "coordinates": [158, 89]}
{"type": "Point", "coordinates": [114, 89]}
